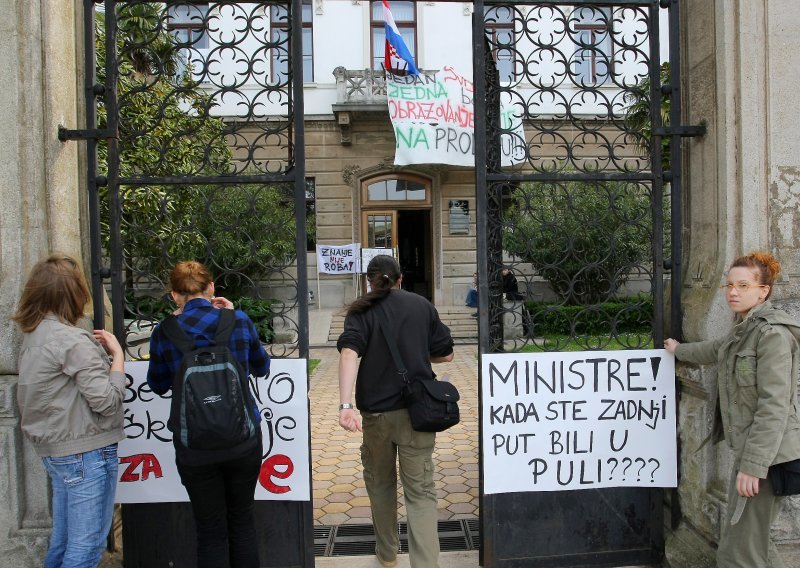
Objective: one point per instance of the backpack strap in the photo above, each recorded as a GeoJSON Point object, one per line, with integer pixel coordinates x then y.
{"type": "Point", "coordinates": [227, 321]}
{"type": "Point", "coordinates": [185, 343]}
{"type": "Point", "coordinates": [174, 332]}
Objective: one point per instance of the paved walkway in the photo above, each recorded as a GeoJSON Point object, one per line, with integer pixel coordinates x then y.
{"type": "Point", "coordinates": [339, 493]}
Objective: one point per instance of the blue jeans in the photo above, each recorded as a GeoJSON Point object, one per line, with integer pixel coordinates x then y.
{"type": "Point", "coordinates": [472, 298]}
{"type": "Point", "coordinates": [83, 504]}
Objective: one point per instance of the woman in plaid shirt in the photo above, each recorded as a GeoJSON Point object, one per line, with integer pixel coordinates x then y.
{"type": "Point", "coordinates": [220, 488]}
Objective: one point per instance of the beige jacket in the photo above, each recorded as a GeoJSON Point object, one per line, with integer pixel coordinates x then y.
{"type": "Point", "coordinates": [757, 370]}
{"type": "Point", "coordinates": [69, 400]}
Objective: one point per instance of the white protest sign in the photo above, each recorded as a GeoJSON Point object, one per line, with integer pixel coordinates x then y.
{"type": "Point", "coordinates": [338, 259]}
{"type": "Point", "coordinates": [578, 420]}
{"type": "Point", "coordinates": [368, 254]}
{"type": "Point", "coordinates": [147, 471]}
{"type": "Point", "coordinates": [434, 121]}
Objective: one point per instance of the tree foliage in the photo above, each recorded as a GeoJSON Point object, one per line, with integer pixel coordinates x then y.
{"type": "Point", "coordinates": [166, 128]}
{"type": "Point", "coordinates": [583, 238]}
{"type": "Point", "coordinates": [638, 119]}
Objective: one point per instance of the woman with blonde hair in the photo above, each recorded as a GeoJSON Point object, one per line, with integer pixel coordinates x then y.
{"type": "Point", "coordinates": [757, 370]}
{"type": "Point", "coordinates": [70, 401]}
{"type": "Point", "coordinates": [221, 483]}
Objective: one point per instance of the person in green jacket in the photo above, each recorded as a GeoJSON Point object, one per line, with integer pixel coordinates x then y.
{"type": "Point", "coordinates": [757, 370]}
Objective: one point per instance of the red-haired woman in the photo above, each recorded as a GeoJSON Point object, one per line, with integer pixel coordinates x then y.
{"type": "Point", "coordinates": [221, 483]}
{"type": "Point", "coordinates": [757, 369]}
{"type": "Point", "coordinates": [70, 401]}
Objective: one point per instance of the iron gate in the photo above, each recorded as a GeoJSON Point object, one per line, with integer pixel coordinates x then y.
{"type": "Point", "coordinates": [196, 151]}
{"type": "Point", "coordinates": [584, 219]}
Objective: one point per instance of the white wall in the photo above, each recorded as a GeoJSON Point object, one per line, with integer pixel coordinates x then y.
{"type": "Point", "coordinates": [341, 36]}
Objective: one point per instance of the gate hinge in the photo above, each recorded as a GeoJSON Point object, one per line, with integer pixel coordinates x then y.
{"type": "Point", "coordinates": [65, 134]}
{"type": "Point", "coordinates": [685, 131]}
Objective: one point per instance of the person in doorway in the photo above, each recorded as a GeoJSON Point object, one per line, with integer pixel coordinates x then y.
{"type": "Point", "coordinates": [472, 294]}
{"type": "Point", "coordinates": [758, 364]}
{"type": "Point", "coordinates": [510, 285]}
{"type": "Point", "coordinates": [221, 484]}
{"type": "Point", "coordinates": [70, 401]}
{"type": "Point", "coordinates": [422, 339]}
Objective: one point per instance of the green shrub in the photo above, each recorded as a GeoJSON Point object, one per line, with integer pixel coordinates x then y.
{"type": "Point", "coordinates": [259, 311]}
{"type": "Point", "coordinates": [585, 238]}
{"type": "Point", "coordinates": [627, 315]}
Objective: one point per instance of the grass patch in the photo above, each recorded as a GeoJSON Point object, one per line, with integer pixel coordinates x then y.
{"type": "Point", "coordinates": [590, 343]}
{"type": "Point", "coordinates": [312, 365]}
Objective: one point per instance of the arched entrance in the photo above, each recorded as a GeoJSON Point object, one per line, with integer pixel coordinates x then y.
{"type": "Point", "coordinates": [396, 214]}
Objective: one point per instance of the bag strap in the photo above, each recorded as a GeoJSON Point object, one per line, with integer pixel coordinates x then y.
{"type": "Point", "coordinates": [227, 321]}
{"type": "Point", "coordinates": [385, 327]}
{"type": "Point", "coordinates": [174, 332]}
{"type": "Point", "coordinates": [185, 343]}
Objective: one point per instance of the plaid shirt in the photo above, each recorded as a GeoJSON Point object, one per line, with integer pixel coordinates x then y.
{"type": "Point", "coordinates": [199, 320]}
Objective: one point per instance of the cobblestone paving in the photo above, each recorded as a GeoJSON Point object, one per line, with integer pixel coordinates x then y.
{"type": "Point", "coordinates": [338, 482]}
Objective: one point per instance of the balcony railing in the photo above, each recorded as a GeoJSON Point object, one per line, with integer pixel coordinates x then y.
{"type": "Point", "coordinates": [362, 86]}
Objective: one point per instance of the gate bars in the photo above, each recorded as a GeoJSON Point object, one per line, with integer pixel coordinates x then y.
{"type": "Point", "coordinates": [170, 180]}
{"type": "Point", "coordinates": [584, 207]}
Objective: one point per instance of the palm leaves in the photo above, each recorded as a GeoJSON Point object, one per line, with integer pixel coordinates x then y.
{"type": "Point", "coordinates": [638, 119]}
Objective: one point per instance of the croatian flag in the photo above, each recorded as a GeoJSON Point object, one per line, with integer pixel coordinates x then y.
{"type": "Point", "coordinates": [397, 55]}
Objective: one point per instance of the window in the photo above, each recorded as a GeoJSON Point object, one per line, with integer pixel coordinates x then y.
{"type": "Point", "coordinates": [396, 190]}
{"type": "Point", "coordinates": [592, 33]}
{"type": "Point", "coordinates": [380, 229]}
{"type": "Point", "coordinates": [279, 28]}
{"type": "Point", "coordinates": [187, 23]}
{"type": "Point", "coordinates": [499, 24]}
{"type": "Point", "coordinates": [405, 18]}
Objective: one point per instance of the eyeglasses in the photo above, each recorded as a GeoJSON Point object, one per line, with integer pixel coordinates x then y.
{"type": "Point", "coordinates": [740, 286]}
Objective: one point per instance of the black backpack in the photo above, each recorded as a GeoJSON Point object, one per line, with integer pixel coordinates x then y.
{"type": "Point", "coordinates": [211, 415]}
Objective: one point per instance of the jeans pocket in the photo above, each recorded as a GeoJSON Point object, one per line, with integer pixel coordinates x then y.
{"type": "Point", "coordinates": [109, 453]}
{"type": "Point", "coordinates": [69, 469]}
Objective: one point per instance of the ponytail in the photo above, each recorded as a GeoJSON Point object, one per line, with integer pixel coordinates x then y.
{"type": "Point", "coordinates": [383, 273]}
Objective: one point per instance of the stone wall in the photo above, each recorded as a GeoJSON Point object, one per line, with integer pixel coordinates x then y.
{"type": "Point", "coordinates": [740, 79]}
{"type": "Point", "coordinates": [40, 213]}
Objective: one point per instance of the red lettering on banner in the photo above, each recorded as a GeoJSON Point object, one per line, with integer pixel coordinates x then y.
{"type": "Point", "coordinates": [146, 462]}
{"type": "Point", "coordinates": [451, 75]}
{"type": "Point", "coordinates": [269, 469]}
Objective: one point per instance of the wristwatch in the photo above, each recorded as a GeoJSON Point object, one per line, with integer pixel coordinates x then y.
{"type": "Point", "coordinates": [345, 405]}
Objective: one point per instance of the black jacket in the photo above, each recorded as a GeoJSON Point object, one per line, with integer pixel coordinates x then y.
{"type": "Point", "coordinates": [419, 335]}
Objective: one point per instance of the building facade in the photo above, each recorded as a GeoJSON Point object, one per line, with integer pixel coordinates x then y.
{"type": "Point", "coordinates": [740, 62]}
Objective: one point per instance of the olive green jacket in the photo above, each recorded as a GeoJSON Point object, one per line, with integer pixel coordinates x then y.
{"type": "Point", "coordinates": [757, 372]}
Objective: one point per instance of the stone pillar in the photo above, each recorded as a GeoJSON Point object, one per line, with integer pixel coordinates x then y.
{"type": "Point", "coordinates": [41, 210]}
{"type": "Point", "coordinates": [742, 193]}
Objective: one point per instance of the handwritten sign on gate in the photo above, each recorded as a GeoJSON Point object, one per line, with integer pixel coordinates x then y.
{"type": "Point", "coordinates": [338, 259]}
{"type": "Point", "coordinates": [579, 420]}
{"type": "Point", "coordinates": [147, 471]}
{"type": "Point", "coordinates": [434, 120]}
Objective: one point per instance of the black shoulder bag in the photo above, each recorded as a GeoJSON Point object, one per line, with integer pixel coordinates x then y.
{"type": "Point", "coordinates": [432, 404]}
{"type": "Point", "coordinates": [785, 478]}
